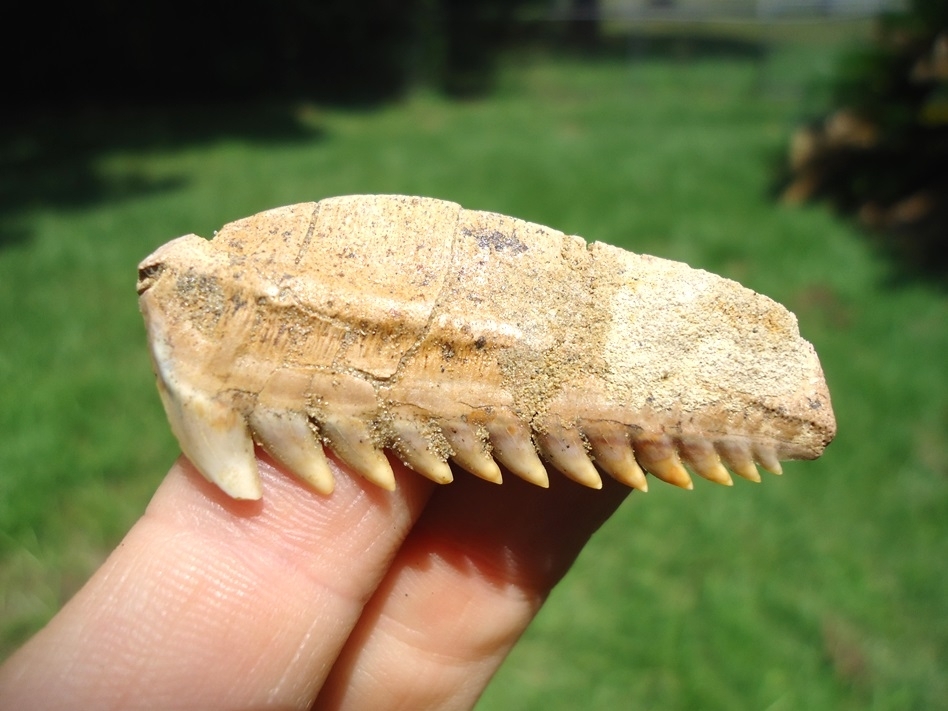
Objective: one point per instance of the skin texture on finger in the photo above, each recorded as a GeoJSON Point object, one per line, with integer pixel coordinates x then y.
{"type": "Point", "coordinates": [468, 580]}
{"type": "Point", "coordinates": [210, 603]}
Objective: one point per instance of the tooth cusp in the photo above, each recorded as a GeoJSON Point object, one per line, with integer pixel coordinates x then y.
{"type": "Point", "coordinates": [766, 456]}
{"type": "Point", "coordinates": [289, 438]}
{"type": "Point", "coordinates": [415, 448]}
{"type": "Point", "coordinates": [471, 450]}
{"type": "Point", "coordinates": [352, 442]}
{"type": "Point", "coordinates": [699, 454]}
{"type": "Point", "coordinates": [658, 456]}
{"type": "Point", "coordinates": [565, 450]}
{"type": "Point", "coordinates": [513, 447]}
{"type": "Point", "coordinates": [611, 448]}
{"type": "Point", "coordinates": [215, 438]}
{"type": "Point", "coordinates": [736, 454]}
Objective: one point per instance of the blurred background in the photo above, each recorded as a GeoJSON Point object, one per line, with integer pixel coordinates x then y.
{"type": "Point", "coordinates": [798, 146]}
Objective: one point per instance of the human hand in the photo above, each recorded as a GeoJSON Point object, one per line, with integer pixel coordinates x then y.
{"type": "Point", "coordinates": [362, 599]}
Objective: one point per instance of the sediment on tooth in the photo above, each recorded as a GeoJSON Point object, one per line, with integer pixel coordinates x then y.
{"type": "Point", "coordinates": [289, 438]}
{"type": "Point", "coordinates": [564, 449]}
{"type": "Point", "coordinates": [700, 455]}
{"type": "Point", "coordinates": [470, 451]}
{"type": "Point", "coordinates": [736, 454]}
{"type": "Point", "coordinates": [513, 447]}
{"type": "Point", "coordinates": [413, 448]}
{"type": "Point", "coordinates": [658, 456]}
{"type": "Point", "coordinates": [350, 439]}
{"type": "Point", "coordinates": [611, 448]}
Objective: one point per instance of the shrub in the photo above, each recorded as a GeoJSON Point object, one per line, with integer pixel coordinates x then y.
{"type": "Point", "coordinates": [881, 154]}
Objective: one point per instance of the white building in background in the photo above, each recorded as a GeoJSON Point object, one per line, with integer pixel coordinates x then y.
{"type": "Point", "coordinates": [697, 10]}
{"type": "Point", "coordinates": [767, 9]}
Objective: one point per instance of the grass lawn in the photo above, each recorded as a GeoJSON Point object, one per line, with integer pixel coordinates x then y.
{"type": "Point", "coordinates": [824, 589]}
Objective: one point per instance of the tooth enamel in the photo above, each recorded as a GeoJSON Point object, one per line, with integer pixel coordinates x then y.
{"type": "Point", "coordinates": [290, 439]}
{"type": "Point", "coordinates": [736, 454]}
{"type": "Point", "coordinates": [471, 452]}
{"type": "Point", "coordinates": [564, 449]}
{"type": "Point", "coordinates": [767, 458]}
{"type": "Point", "coordinates": [218, 443]}
{"type": "Point", "coordinates": [350, 439]}
{"type": "Point", "coordinates": [413, 447]}
{"type": "Point", "coordinates": [213, 436]}
{"type": "Point", "coordinates": [657, 455]}
{"type": "Point", "coordinates": [622, 467]}
{"type": "Point", "coordinates": [612, 448]}
{"type": "Point", "coordinates": [699, 454]}
{"type": "Point", "coordinates": [513, 448]}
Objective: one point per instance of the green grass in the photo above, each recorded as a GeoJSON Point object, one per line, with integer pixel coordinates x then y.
{"type": "Point", "coordinates": [824, 589]}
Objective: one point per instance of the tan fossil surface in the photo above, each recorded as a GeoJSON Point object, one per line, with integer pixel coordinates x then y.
{"type": "Point", "coordinates": [383, 322]}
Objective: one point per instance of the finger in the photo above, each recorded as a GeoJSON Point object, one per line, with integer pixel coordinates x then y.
{"type": "Point", "coordinates": [468, 580]}
{"type": "Point", "coordinates": [217, 604]}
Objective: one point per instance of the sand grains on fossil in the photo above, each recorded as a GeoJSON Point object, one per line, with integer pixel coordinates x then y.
{"type": "Point", "coordinates": [386, 325]}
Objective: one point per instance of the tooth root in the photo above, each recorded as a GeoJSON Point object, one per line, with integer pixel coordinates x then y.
{"type": "Point", "coordinates": [766, 456]}
{"type": "Point", "coordinates": [737, 456]}
{"type": "Point", "coordinates": [658, 456]}
{"type": "Point", "coordinates": [350, 439]}
{"type": "Point", "coordinates": [471, 452]}
{"type": "Point", "coordinates": [414, 449]}
{"type": "Point", "coordinates": [514, 449]}
{"type": "Point", "coordinates": [216, 439]}
{"type": "Point", "coordinates": [612, 449]}
{"type": "Point", "coordinates": [699, 454]}
{"type": "Point", "coordinates": [289, 439]}
{"type": "Point", "coordinates": [564, 449]}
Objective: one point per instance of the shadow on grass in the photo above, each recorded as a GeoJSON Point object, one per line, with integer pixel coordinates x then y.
{"type": "Point", "coordinates": [666, 44]}
{"type": "Point", "coordinates": [696, 45]}
{"type": "Point", "coordinates": [51, 160]}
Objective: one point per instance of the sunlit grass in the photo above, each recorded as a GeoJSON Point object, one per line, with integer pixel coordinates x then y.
{"type": "Point", "coordinates": [824, 589]}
